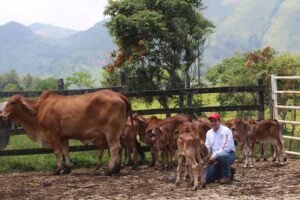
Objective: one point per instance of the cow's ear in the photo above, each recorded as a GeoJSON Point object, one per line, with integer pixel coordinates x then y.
{"type": "Point", "coordinates": [141, 119]}
{"type": "Point", "coordinates": [28, 105]}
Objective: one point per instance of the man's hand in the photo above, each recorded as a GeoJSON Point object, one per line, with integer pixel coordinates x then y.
{"type": "Point", "coordinates": [211, 161]}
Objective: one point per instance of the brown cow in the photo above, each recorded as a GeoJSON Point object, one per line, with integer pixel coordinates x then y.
{"type": "Point", "coordinates": [53, 119]}
{"type": "Point", "coordinates": [191, 153]}
{"type": "Point", "coordinates": [267, 130]}
{"type": "Point", "coordinates": [240, 131]}
{"type": "Point", "coordinates": [160, 137]}
{"type": "Point", "coordinates": [149, 122]}
{"type": "Point", "coordinates": [129, 140]}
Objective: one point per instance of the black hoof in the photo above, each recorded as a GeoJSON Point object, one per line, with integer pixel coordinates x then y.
{"type": "Point", "coordinates": [57, 172]}
{"type": "Point", "coordinates": [265, 159]}
{"type": "Point", "coordinates": [67, 170]}
{"type": "Point", "coordinates": [97, 167]}
{"type": "Point", "coordinates": [114, 170]}
{"type": "Point", "coordinates": [134, 167]}
{"type": "Point", "coordinates": [203, 185]}
{"type": "Point", "coordinates": [151, 165]}
{"type": "Point", "coordinates": [108, 173]}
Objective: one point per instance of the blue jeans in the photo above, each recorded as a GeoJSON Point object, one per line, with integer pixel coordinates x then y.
{"type": "Point", "coordinates": [221, 168]}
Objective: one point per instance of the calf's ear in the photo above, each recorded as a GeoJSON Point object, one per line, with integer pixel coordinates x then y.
{"type": "Point", "coordinates": [28, 106]}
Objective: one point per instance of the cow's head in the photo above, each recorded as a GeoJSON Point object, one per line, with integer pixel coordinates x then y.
{"type": "Point", "coordinates": [185, 127]}
{"type": "Point", "coordinates": [17, 105]}
{"type": "Point", "coordinates": [154, 134]}
{"type": "Point", "coordinates": [238, 127]}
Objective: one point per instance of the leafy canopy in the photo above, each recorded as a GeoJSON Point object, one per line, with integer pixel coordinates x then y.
{"type": "Point", "coordinates": [157, 37]}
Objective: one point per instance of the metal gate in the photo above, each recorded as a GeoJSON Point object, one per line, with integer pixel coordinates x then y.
{"type": "Point", "coordinates": [275, 105]}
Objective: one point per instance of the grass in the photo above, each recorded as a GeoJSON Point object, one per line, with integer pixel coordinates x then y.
{"type": "Point", "coordinates": [46, 162]}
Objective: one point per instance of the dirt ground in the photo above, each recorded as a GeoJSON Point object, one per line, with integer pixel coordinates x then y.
{"type": "Point", "coordinates": [265, 181]}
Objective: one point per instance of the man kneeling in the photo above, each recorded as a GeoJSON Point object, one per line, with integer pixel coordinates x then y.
{"type": "Point", "coordinates": [219, 142]}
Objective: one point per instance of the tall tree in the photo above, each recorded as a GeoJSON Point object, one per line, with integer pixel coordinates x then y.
{"type": "Point", "coordinates": [10, 77]}
{"type": "Point", "coordinates": [79, 80]}
{"type": "Point", "coordinates": [245, 69]}
{"type": "Point", "coordinates": [158, 40]}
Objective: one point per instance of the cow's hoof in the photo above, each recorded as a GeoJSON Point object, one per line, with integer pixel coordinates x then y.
{"type": "Point", "coordinates": [151, 164]}
{"type": "Point", "coordinates": [195, 188]}
{"type": "Point", "coordinates": [134, 167]}
{"type": "Point", "coordinates": [57, 172]}
{"type": "Point", "coordinates": [177, 183]}
{"type": "Point", "coordinates": [67, 170]}
{"type": "Point", "coordinates": [203, 185]}
{"type": "Point", "coordinates": [97, 167]}
{"type": "Point", "coordinates": [285, 159]}
{"type": "Point", "coordinates": [108, 173]}
{"type": "Point", "coordinates": [115, 170]}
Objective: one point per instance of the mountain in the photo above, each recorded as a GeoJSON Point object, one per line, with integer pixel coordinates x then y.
{"type": "Point", "coordinates": [50, 31]}
{"type": "Point", "coordinates": [247, 25]}
{"type": "Point", "coordinates": [23, 50]}
{"type": "Point", "coordinates": [26, 51]}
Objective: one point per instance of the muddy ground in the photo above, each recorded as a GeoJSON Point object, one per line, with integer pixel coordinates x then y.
{"type": "Point", "coordinates": [265, 181]}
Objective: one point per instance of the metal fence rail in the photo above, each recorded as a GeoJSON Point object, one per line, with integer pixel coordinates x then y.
{"type": "Point", "coordinates": [276, 107]}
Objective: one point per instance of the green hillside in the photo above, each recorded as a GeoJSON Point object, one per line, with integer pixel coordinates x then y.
{"type": "Point", "coordinates": [283, 31]}
{"type": "Point", "coordinates": [27, 52]}
{"type": "Point", "coordinates": [252, 25]}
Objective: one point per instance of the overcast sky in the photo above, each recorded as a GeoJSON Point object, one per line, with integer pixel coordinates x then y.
{"type": "Point", "coordinates": [72, 14]}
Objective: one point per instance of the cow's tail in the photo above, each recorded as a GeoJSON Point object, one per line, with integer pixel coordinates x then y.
{"type": "Point", "coordinates": [128, 108]}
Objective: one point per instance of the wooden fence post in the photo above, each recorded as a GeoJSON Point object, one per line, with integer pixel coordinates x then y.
{"type": "Point", "coordinates": [187, 85]}
{"type": "Point", "coordinates": [123, 80]}
{"type": "Point", "coordinates": [60, 84]}
{"type": "Point", "coordinates": [260, 100]}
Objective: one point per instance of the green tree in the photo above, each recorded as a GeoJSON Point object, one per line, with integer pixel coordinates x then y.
{"type": "Point", "coordinates": [10, 77]}
{"type": "Point", "coordinates": [27, 82]}
{"type": "Point", "coordinates": [44, 84]}
{"type": "Point", "coordinates": [158, 40]}
{"type": "Point", "coordinates": [12, 87]}
{"type": "Point", "coordinates": [80, 80]}
{"type": "Point", "coordinates": [246, 69]}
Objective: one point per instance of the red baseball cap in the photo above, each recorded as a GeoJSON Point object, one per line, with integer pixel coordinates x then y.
{"type": "Point", "coordinates": [214, 116]}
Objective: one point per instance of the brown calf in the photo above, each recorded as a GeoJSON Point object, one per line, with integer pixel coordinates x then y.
{"type": "Point", "coordinates": [191, 153]}
{"type": "Point", "coordinates": [129, 140]}
{"type": "Point", "coordinates": [267, 130]}
{"type": "Point", "coordinates": [160, 137]}
{"type": "Point", "coordinates": [240, 130]}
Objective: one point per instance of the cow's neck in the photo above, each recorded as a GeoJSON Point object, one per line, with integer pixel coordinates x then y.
{"type": "Point", "coordinates": [29, 123]}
